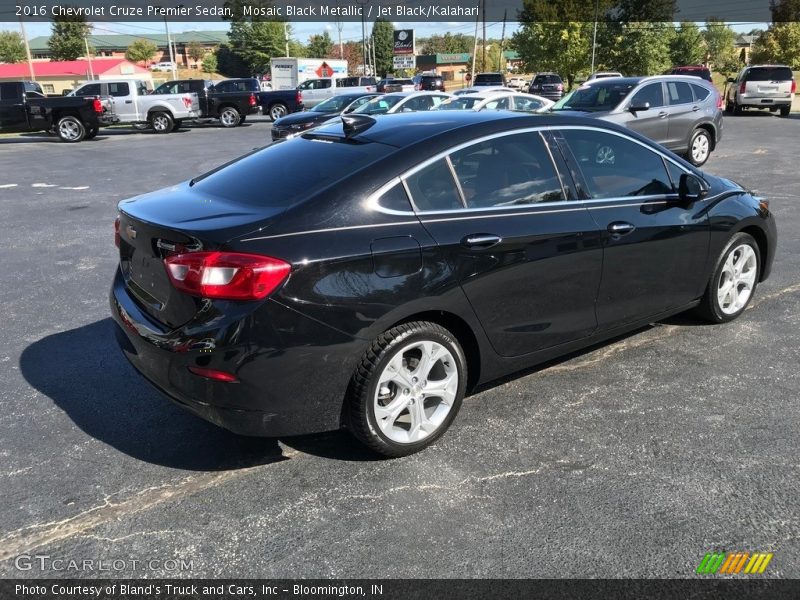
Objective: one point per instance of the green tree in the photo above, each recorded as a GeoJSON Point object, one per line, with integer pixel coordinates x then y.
{"type": "Point", "coordinates": [383, 38]}
{"type": "Point", "coordinates": [319, 45]}
{"type": "Point", "coordinates": [492, 63]}
{"type": "Point", "coordinates": [644, 48]}
{"type": "Point", "coordinates": [446, 44]}
{"type": "Point", "coordinates": [351, 51]}
{"type": "Point", "coordinates": [720, 48]}
{"type": "Point", "coordinates": [230, 64]}
{"type": "Point", "coordinates": [257, 42]}
{"type": "Point", "coordinates": [67, 37]}
{"type": "Point", "coordinates": [687, 46]}
{"type": "Point", "coordinates": [195, 51]}
{"type": "Point", "coordinates": [12, 49]}
{"type": "Point", "coordinates": [785, 11]}
{"type": "Point", "coordinates": [561, 47]}
{"type": "Point", "coordinates": [780, 44]}
{"type": "Point", "coordinates": [141, 51]}
{"type": "Point", "coordinates": [210, 63]}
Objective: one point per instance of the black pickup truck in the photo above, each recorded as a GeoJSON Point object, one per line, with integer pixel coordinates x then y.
{"type": "Point", "coordinates": [23, 107]}
{"type": "Point", "coordinates": [231, 100]}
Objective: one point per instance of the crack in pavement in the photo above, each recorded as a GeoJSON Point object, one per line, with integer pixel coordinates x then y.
{"type": "Point", "coordinates": [34, 536]}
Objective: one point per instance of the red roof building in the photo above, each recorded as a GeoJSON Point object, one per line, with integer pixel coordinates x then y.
{"type": "Point", "coordinates": [58, 77]}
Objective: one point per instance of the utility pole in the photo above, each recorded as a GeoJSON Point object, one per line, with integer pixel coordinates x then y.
{"type": "Point", "coordinates": [484, 35]}
{"type": "Point", "coordinates": [594, 35]}
{"type": "Point", "coordinates": [474, 51]}
{"type": "Point", "coordinates": [286, 36]}
{"type": "Point", "coordinates": [27, 50]}
{"type": "Point", "coordinates": [500, 65]}
{"type": "Point", "coordinates": [363, 5]}
{"type": "Point", "coordinates": [88, 58]}
{"type": "Point", "coordinates": [171, 54]}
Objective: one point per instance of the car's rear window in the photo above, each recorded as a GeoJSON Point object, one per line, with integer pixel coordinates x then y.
{"type": "Point", "coordinates": [769, 74]}
{"type": "Point", "coordinates": [540, 79]}
{"type": "Point", "coordinates": [287, 172]}
{"type": "Point", "coordinates": [484, 79]}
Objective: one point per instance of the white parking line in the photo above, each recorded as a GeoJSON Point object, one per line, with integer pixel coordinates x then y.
{"type": "Point", "coordinates": [43, 185]}
{"type": "Point", "coordinates": [82, 187]}
{"type": "Point", "coordinates": [7, 185]}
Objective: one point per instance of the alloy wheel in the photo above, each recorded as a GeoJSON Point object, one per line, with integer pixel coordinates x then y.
{"type": "Point", "coordinates": [415, 392]}
{"type": "Point", "coordinates": [700, 148]}
{"type": "Point", "coordinates": [228, 118]}
{"type": "Point", "coordinates": [69, 130]}
{"type": "Point", "coordinates": [160, 123]}
{"type": "Point", "coordinates": [737, 279]}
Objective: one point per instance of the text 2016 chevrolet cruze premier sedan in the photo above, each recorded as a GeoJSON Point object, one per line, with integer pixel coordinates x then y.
{"type": "Point", "coordinates": [369, 274]}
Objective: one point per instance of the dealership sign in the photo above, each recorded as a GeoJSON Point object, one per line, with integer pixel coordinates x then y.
{"type": "Point", "coordinates": [404, 62]}
{"type": "Point", "coordinates": [404, 42]}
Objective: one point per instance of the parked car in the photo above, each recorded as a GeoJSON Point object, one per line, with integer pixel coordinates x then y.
{"type": "Point", "coordinates": [402, 102]}
{"type": "Point", "coordinates": [133, 103]}
{"type": "Point", "coordinates": [692, 71]}
{"type": "Point", "coordinates": [483, 90]}
{"type": "Point", "coordinates": [518, 83]}
{"type": "Point", "coordinates": [219, 101]}
{"type": "Point", "coordinates": [549, 85]}
{"type": "Point", "coordinates": [489, 79]}
{"type": "Point", "coordinates": [414, 257]}
{"type": "Point", "coordinates": [341, 104]}
{"type": "Point", "coordinates": [762, 86]}
{"type": "Point", "coordinates": [603, 75]}
{"type": "Point", "coordinates": [24, 107]}
{"type": "Point", "coordinates": [428, 83]}
{"type": "Point", "coordinates": [316, 90]}
{"type": "Point", "coordinates": [399, 84]}
{"type": "Point", "coordinates": [163, 66]}
{"type": "Point", "coordinates": [498, 101]}
{"type": "Point", "coordinates": [682, 113]}
{"type": "Point", "coordinates": [274, 104]}
{"type": "Point", "coordinates": [381, 85]}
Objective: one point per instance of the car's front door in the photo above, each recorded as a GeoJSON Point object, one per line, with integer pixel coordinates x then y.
{"type": "Point", "coordinates": [653, 122]}
{"type": "Point", "coordinates": [525, 252]}
{"type": "Point", "coordinates": [655, 246]}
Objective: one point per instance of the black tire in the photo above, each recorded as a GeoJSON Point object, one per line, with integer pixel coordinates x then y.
{"type": "Point", "coordinates": [702, 139]}
{"type": "Point", "coordinates": [362, 420]}
{"type": "Point", "coordinates": [161, 122]}
{"type": "Point", "coordinates": [91, 133]}
{"type": "Point", "coordinates": [277, 110]}
{"type": "Point", "coordinates": [737, 110]}
{"type": "Point", "coordinates": [710, 308]}
{"type": "Point", "coordinates": [229, 117]}
{"type": "Point", "coordinates": [242, 119]}
{"type": "Point", "coordinates": [177, 125]}
{"type": "Point", "coordinates": [70, 129]}
{"type": "Point", "coordinates": [785, 110]}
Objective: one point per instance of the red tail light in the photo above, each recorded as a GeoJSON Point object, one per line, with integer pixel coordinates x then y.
{"type": "Point", "coordinates": [98, 106]}
{"type": "Point", "coordinates": [299, 98]}
{"type": "Point", "coordinates": [226, 275]}
{"type": "Point", "coordinates": [116, 232]}
{"type": "Point", "coordinates": [223, 376]}
{"type": "Point", "coordinates": [794, 86]}
{"type": "Point", "coordinates": [252, 99]}
{"type": "Point", "coordinates": [742, 87]}
{"type": "Point", "coordinates": [720, 103]}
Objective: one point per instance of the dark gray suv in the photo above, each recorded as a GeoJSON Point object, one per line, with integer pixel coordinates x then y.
{"type": "Point", "coordinates": [682, 113]}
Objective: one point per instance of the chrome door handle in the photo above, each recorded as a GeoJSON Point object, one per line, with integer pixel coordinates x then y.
{"type": "Point", "coordinates": [695, 108]}
{"type": "Point", "coordinates": [481, 240]}
{"type": "Point", "coordinates": [662, 114]}
{"type": "Point", "coordinates": [620, 228]}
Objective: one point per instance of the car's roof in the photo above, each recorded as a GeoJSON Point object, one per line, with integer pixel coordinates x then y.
{"type": "Point", "coordinates": [405, 129]}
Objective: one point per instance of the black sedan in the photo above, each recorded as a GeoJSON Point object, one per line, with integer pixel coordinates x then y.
{"type": "Point", "coordinates": [336, 105]}
{"type": "Point", "coordinates": [369, 274]}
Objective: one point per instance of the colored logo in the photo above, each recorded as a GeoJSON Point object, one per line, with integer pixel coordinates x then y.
{"type": "Point", "coordinates": [734, 563]}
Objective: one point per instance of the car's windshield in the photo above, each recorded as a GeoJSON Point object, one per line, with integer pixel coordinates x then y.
{"type": "Point", "coordinates": [378, 106]}
{"type": "Point", "coordinates": [488, 79]}
{"type": "Point", "coordinates": [595, 98]}
{"type": "Point", "coordinates": [334, 104]}
{"type": "Point", "coordinates": [461, 103]}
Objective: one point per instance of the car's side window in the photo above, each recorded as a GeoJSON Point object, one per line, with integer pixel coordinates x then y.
{"type": "Point", "coordinates": [652, 94]}
{"type": "Point", "coordinates": [700, 92]}
{"type": "Point", "coordinates": [324, 84]}
{"type": "Point", "coordinates": [437, 100]}
{"type": "Point", "coordinates": [93, 89]}
{"type": "Point", "coordinates": [615, 166]}
{"type": "Point", "coordinates": [526, 104]}
{"type": "Point", "coordinates": [501, 104]}
{"type": "Point", "coordinates": [433, 188]}
{"type": "Point", "coordinates": [679, 92]}
{"type": "Point", "coordinates": [395, 199]}
{"type": "Point", "coordinates": [118, 89]}
{"type": "Point", "coordinates": [511, 170]}
{"type": "Point", "coordinates": [675, 173]}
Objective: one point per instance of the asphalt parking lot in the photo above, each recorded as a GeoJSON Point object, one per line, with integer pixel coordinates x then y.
{"type": "Point", "coordinates": [632, 459]}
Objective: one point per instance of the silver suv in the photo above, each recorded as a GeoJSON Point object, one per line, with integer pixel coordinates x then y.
{"type": "Point", "coordinates": [761, 86]}
{"type": "Point", "coordinates": [682, 113]}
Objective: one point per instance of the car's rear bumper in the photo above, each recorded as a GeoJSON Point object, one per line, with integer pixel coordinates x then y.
{"type": "Point", "coordinates": [106, 120]}
{"type": "Point", "coordinates": [273, 394]}
{"type": "Point", "coordinates": [764, 101]}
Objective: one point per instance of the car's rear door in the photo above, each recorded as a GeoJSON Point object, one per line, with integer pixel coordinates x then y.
{"type": "Point", "coordinates": [525, 252]}
{"type": "Point", "coordinates": [655, 246]}
{"type": "Point", "coordinates": [682, 111]}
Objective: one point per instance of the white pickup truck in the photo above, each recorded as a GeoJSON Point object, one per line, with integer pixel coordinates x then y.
{"type": "Point", "coordinates": [133, 104]}
{"type": "Point", "coordinates": [316, 90]}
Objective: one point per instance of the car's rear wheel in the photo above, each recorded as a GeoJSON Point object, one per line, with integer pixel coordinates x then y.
{"type": "Point", "coordinates": [408, 388]}
{"type": "Point", "coordinates": [699, 147]}
{"type": "Point", "coordinates": [161, 122]}
{"type": "Point", "coordinates": [277, 110]}
{"type": "Point", "coordinates": [229, 117]}
{"type": "Point", "coordinates": [737, 109]}
{"type": "Point", "coordinates": [734, 280]}
{"type": "Point", "coordinates": [785, 111]}
{"type": "Point", "coordinates": [70, 129]}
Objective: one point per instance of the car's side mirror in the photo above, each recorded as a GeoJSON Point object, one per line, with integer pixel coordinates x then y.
{"type": "Point", "coordinates": [691, 188]}
{"type": "Point", "coordinates": [634, 108]}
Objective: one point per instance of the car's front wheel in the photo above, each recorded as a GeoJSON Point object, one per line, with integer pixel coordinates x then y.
{"type": "Point", "coordinates": [733, 281]}
{"type": "Point", "coordinates": [699, 147]}
{"type": "Point", "coordinates": [408, 388]}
